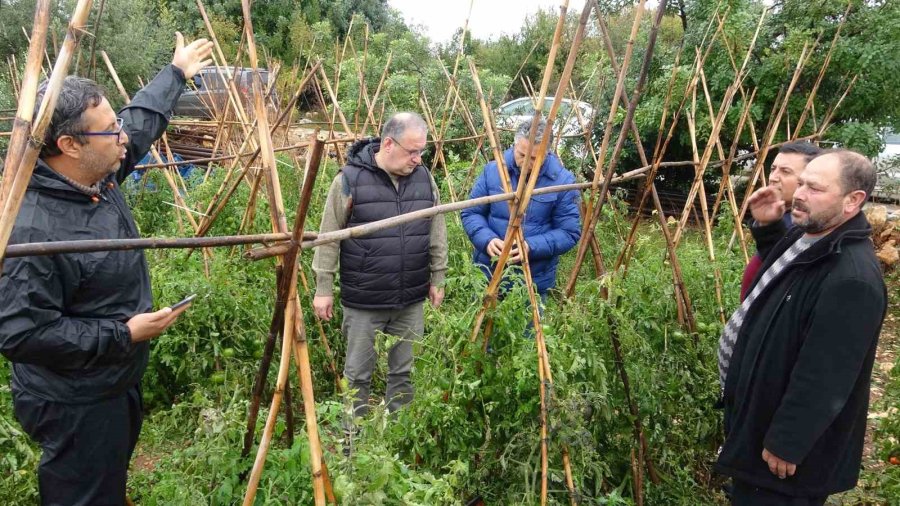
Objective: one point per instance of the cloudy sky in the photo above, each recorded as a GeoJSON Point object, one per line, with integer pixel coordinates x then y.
{"type": "Point", "coordinates": [489, 20]}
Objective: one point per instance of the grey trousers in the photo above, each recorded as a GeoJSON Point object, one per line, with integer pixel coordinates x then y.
{"type": "Point", "coordinates": [359, 328]}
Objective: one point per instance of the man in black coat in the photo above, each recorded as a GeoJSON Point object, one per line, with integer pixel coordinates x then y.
{"type": "Point", "coordinates": [796, 358]}
{"type": "Point", "coordinates": [77, 327]}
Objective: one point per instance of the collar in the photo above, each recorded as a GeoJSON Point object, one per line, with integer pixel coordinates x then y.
{"type": "Point", "coordinates": [855, 229]}
{"type": "Point", "coordinates": [550, 169]}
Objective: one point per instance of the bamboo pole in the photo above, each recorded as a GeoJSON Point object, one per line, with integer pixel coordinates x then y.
{"type": "Point", "coordinates": [94, 245]}
{"type": "Point", "coordinates": [96, 28]}
{"type": "Point", "coordinates": [16, 193]}
{"type": "Point", "coordinates": [438, 151]}
{"type": "Point", "coordinates": [776, 120]}
{"type": "Point", "coordinates": [322, 335]}
{"type": "Point", "coordinates": [682, 298]}
{"type": "Point", "coordinates": [293, 329]}
{"type": "Point", "coordinates": [336, 104]}
{"type": "Point", "coordinates": [259, 383]}
{"type": "Point", "coordinates": [514, 231]}
{"type": "Point", "coordinates": [233, 94]}
{"type": "Point", "coordinates": [614, 107]}
{"type": "Point", "coordinates": [27, 97]}
{"type": "Point", "coordinates": [524, 191]}
{"type": "Point", "coordinates": [219, 200]}
{"type": "Point", "coordinates": [714, 138]}
{"type": "Point", "coordinates": [830, 114]}
{"type": "Point", "coordinates": [590, 224]}
{"type": "Point", "coordinates": [13, 75]}
{"type": "Point", "coordinates": [726, 186]}
{"type": "Point", "coordinates": [375, 226]}
{"type": "Point", "coordinates": [371, 115]}
{"type": "Point", "coordinates": [812, 94]}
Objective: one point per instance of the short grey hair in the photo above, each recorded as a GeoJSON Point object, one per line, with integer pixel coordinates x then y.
{"type": "Point", "coordinates": [857, 171]}
{"type": "Point", "coordinates": [77, 95]}
{"type": "Point", "coordinates": [400, 122]}
{"type": "Point", "coordinates": [523, 131]}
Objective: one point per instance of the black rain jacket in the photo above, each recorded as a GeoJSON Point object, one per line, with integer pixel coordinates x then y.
{"type": "Point", "coordinates": [798, 383]}
{"type": "Point", "coordinates": [62, 317]}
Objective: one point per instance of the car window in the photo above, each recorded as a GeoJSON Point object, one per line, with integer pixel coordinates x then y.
{"type": "Point", "coordinates": [518, 108]}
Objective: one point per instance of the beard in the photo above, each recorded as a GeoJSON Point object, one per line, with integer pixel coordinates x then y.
{"type": "Point", "coordinates": [814, 223]}
{"type": "Point", "coordinates": [98, 165]}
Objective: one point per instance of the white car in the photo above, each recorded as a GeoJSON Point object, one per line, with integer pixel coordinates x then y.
{"type": "Point", "coordinates": [569, 121]}
{"type": "Point", "coordinates": [888, 165]}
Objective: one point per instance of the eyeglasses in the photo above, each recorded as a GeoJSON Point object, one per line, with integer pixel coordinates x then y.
{"type": "Point", "coordinates": [411, 152]}
{"type": "Point", "coordinates": [117, 132]}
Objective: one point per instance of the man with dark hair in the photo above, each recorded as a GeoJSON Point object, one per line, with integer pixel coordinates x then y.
{"type": "Point", "coordinates": [795, 359]}
{"type": "Point", "coordinates": [786, 168]}
{"type": "Point", "coordinates": [551, 224]}
{"type": "Point", "coordinates": [385, 276]}
{"type": "Point", "coordinates": [77, 327]}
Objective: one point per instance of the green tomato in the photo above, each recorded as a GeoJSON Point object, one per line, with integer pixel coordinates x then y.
{"type": "Point", "coordinates": [228, 353]}
{"type": "Point", "coordinates": [217, 377]}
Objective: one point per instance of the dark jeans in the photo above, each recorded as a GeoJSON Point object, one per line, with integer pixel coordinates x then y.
{"type": "Point", "coordinates": [744, 494]}
{"type": "Point", "coordinates": [86, 447]}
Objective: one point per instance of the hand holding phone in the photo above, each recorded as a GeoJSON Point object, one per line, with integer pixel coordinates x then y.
{"type": "Point", "coordinates": [187, 300]}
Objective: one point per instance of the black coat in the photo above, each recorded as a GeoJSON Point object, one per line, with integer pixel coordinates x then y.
{"type": "Point", "coordinates": [798, 382]}
{"type": "Point", "coordinates": [62, 317]}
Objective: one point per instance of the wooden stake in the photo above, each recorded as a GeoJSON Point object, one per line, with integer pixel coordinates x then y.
{"type": "Point", "coordinates": [293, 329]}
{"type": "Point", "coordinates": [27, 97]}
{"type": "Point", "coordinates": [590, 224]}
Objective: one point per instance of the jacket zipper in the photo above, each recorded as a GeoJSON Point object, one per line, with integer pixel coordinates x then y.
{"type": "Point", "coordinates": [402, 241]}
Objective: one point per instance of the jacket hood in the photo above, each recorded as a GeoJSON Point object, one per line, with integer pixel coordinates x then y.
{"type": "Point", "coordinates": [362, 153]}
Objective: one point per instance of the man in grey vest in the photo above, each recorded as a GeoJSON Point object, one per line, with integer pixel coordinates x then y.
{"type": "Point", "coordinates": [385, 276]}
{"type": "Point", "coordinates": [795, 359]}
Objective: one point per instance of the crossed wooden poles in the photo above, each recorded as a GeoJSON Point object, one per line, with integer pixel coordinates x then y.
{"type": "Point", "coordinates": [284, 242]}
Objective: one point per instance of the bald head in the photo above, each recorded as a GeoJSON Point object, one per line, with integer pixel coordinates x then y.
{"type": "Point", "coordinates": [401, 122]}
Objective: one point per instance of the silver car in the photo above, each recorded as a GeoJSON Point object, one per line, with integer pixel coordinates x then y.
{"type": "Point", "coordinates": [572, 120]}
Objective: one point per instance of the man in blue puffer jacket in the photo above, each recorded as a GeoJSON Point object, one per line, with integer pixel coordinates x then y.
{"type": "Point", "coordinates": [551, 222]}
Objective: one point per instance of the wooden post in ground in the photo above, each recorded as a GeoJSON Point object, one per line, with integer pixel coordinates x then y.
{"type": "Point", "coordinates": [294, 335]}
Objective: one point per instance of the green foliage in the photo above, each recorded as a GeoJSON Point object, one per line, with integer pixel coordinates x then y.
{"type": "Point", "coordinates": [862, 137]}
{"type": "Point", "coordinates": [18, 454]}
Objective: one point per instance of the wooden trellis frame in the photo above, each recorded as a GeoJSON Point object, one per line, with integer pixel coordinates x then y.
{"type": "Point", "coordinates": [244, 137]}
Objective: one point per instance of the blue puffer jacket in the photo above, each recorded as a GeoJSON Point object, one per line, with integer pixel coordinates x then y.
{"type": "Point", "coordinates": [551, 222]}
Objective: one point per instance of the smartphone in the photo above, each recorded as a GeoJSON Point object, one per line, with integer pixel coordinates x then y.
{"type": "Point", "coordinates": [187, 300]}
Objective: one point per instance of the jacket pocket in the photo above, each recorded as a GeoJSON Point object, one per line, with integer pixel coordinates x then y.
{"type": "Point", "coordinates": [541, 207]}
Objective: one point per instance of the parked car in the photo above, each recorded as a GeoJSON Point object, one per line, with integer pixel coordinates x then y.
{"type": "Point", "coordinates": [567, 124]}
{"type": "Point", "coordinates": [888, 165]}
{"type": "Point", "coordinates": [208, 91]}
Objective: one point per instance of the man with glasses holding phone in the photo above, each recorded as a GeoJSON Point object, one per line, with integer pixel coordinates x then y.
{"type": "Point", "coordinates": [386, 276]}
{"type": "Point", "coordinates": [77, 327]}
